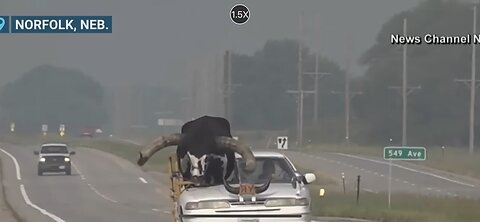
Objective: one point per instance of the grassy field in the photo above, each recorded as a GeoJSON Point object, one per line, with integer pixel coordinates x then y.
{"type": "Point", "coordinates": [404, 207]}
{"type": "Point", "coordinates": [454, 160]}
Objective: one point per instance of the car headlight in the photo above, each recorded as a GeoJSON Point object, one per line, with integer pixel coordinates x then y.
{"type": "Point", "coordinates": [214, 204]}
{"type": "Point", "coordinates": [42, 159]}
{"type": "Point", "coordinates": [67, 159]}
{"type": "Point", "coordinates": [283, 202]}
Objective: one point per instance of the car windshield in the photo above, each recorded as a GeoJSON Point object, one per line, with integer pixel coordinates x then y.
{"type": "Point", "coordinates": [54, 149]}
{"type": "Point", "coordinates": [277, 168]}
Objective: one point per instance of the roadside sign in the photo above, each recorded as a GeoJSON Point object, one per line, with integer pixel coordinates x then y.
{"type": "Point", "coordinates": [12, 127]}
{"type": "Point", "coordinates": [282, 143]}
{"type": "Point", "coordinates": [404, 153]}
{"type": "Point", "coordinates": [44, 128]}
{"type": "Point", "coordinates": [62, 128]}
{"type": "Point", "coordinates": [401, 153]}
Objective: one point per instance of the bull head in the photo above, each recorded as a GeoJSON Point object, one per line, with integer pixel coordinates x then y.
{"type": "Point", "coordinates": [222, 142]}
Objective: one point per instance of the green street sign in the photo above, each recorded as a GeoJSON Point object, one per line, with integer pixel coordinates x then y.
{"type": "Point", "coordinates": [404, 153]}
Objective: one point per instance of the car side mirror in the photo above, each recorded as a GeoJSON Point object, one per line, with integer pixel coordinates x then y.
{"type": "Point", "coordinates": [308, 178]}
{"type": "Point", "coordinates": [36, 152]}
{"type": "Point", "coordinates": [72, 153]}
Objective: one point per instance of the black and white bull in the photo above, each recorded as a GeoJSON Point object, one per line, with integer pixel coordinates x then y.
{"type": "Point", "coordinates": [205, 150]}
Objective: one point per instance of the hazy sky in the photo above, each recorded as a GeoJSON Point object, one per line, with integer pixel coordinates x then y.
{"type": "Point", "coordinates": [153, 40]}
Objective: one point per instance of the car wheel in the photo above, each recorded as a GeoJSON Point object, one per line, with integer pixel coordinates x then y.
{"type": "Point", "coordinates": [40, 172]}
{"type": "Point", "coordinates": [68, 172]}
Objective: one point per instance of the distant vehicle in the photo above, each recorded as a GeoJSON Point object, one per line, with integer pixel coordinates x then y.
{"type": "Point", "coordinates": [286, 199]}
{"type": "Point", "coordinates": [54, 157]}
{"type": "Point", "coordinates": [87, 132]}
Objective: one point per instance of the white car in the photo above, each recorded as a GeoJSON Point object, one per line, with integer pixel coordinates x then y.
{"type": "Point", "coordinates": [286, 199]}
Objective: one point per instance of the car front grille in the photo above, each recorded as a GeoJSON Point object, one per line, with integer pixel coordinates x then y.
{"type": "Point", "coordinates": [54, 159]}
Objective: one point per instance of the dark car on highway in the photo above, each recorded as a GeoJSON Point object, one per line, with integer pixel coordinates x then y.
{"type": "Point", "coordinates": [54, 157]}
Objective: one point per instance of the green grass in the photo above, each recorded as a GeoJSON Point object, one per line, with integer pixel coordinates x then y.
{"type": "Point", "coordinates": [404, 207]}
{"type": "Point", "coordinates": [455, 160]}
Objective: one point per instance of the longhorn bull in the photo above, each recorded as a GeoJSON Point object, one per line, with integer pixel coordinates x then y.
{"type": "Point", "coordinates": [206, 152]}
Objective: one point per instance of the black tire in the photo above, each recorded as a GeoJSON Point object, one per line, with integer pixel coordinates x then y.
{"type": "Point", "coordinates": [68, 172]}
{"type": "Point", "coordinates": [40, 172]}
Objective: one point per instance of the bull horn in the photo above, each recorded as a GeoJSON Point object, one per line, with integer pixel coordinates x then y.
{"type": "Point", "coordinates": [156, 145]}
{"type": "Point", "coordinates": [236, 190]}
{"type": "Point", "coordinates": [239, 147]}
{"type": "Point", "coordinates": [262, 188]}
{"type": "Point", "coordinates": [231, 189]}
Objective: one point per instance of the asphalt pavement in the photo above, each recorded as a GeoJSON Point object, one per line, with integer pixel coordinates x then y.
{"type": "Point", "coordinates": [102, 188]}
{"type": "Point", "coordinates": [374, 175]}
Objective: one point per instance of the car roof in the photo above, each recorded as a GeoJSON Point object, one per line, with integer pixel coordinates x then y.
{"type": "Point", "coordinates": [263, 154]}
{"type": "Point", "coordinates": [54, 144]}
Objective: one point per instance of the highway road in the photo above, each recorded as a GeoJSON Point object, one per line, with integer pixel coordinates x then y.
{"type": "Point", "coordinates": [373, 172]}
{"type": "Point", "coordinates": [102, 188]}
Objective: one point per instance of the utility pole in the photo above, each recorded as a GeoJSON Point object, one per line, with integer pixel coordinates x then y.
{"type": "Point", "coordinates": [347, 110]}
{"type": "Point", "coordinates": [473, 85]}
{"type": "Point", "coordinates": [300, 85]}
{"type": "Point", "coordinates": [404, 89]}
{"type": "Point", "coordinates": [317, 76]}
{"type": "Point", "coordinates": [348, 95]}
{"type": "Point", "coordinates": [228, 81]}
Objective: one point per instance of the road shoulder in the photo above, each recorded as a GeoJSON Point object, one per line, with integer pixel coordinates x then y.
{"type": "Point", "coordinates": [7, 214]}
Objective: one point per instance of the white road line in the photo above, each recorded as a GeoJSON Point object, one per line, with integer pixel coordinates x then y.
{"type": "Point", "coordinates": [382, 175]}
{"type": "Point", "coordinates": [78, 171]}
{"type": "Point", "coordinates": [409, 169]}
{"type": "Point", "coordinates": [142, 179]}
{"type": "Point", "coordinates": [24, 192]}
{"type": "Point", "coordinates": [92, 187]}
{"type": "Point", "coordinates": [375, 173]}
{"type": "Point", "coordinates": [368, 190]}
{"type": "Point", "coordinates": [405, 181]}
{"type": "Point", "coordinates": [155, 209]}
{"type": "Point", "coordinates": [43, 211]}
{"type": "Point", "coordinates": [438, 191]}
{"type": "Point", "coordinates": [412, 184]}
{"type": "Point", "coordinates": [17, 167]}
{"type": "Point", "coordinates": [101, 195]}
{"type": "Point", "coordinates": [429, 188]}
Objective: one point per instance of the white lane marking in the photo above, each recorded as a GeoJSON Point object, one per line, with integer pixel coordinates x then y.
{"type": "Point", "coordinates": [382, 175]}
{"type": "Point", "coordinates": [429, 188]}
{"type": "Point", "coordinates": [409, 169]}
{"type": "Point", "coordinates": [438, 191]}
{"type": "Point", "coordinates": [405, 181]}
{"type": "Point", "coordinates": [412, 184]}
{"type": "Point", "coordinates": [92, 187]}
{"type": "Point", "coordinates": [166, 212]}
{"type": "Point", "coordinates": [142, 179]}
{"type": "Point", "coordinates": [17, 167]}
{"type": "Point", "coordinates": [78, 171]}
{"type": "Point", "coordinates": [368, 190]}
{"type": "Point", "coordinates": [375, 173]}
{"type": "Point", "coordinates": [155, 209]}
{"type": "Point", "coordinates": [101, 195]}
{"type": "Point", "coordinates": [43, 211]}
{"type": "Point", "coordinates": [24, 192]}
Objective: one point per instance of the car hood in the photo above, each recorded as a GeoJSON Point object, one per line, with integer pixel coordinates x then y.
{"type": "Point", "coordinates": [218, 192]}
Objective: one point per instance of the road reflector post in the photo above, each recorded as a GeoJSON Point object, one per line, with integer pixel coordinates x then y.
{"type": "Point", "coordinates": [343, 180]}
{"type": "Point", "coordinates": [322, 192]}
{"type": "Point", "coordinates": [358, 188]}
